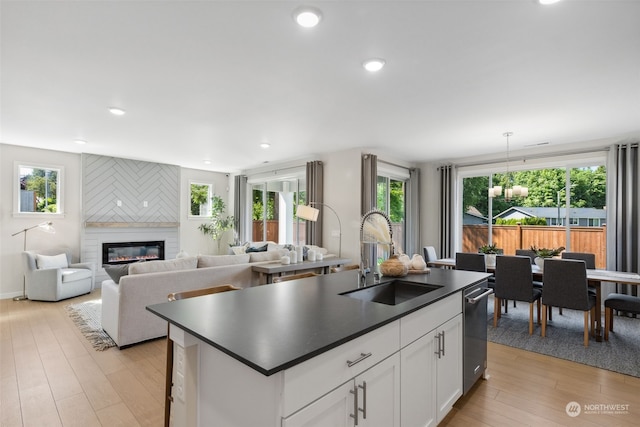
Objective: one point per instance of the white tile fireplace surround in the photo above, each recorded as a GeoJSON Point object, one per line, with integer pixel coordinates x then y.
{"type": "Point", "coordinates": [94, 237]}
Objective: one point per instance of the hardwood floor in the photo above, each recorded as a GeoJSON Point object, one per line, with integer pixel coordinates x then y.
{"type": "Point", "coordinates": [51, 376]}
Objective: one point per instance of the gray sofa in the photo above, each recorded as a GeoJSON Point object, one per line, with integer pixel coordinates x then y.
{"type": "Point", "coordinates": [124, 316]}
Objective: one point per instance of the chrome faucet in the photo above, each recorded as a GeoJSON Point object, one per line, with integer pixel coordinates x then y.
{"type": "Point", "coordinates": [364, 268]}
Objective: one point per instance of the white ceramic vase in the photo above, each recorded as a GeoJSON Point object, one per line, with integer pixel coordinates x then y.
{"type": "Point", "coordinates": [539, 262]}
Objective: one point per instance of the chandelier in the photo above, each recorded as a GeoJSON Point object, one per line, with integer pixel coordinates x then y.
{"type": "Point", "coordinates": [510, 191]}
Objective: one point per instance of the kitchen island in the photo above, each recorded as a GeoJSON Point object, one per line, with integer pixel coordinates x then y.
{"type": "Point", "coordinates": [275, 355]}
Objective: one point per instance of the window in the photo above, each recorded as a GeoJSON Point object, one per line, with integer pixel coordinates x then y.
{"type": "Point", "coordinates": [200, 199]}
{"type": "Point", "coordinates": [541, 219]}
{"type": "Point", "coordinates": [39, 189]}
{"type": "Point", "coordinates": [391, 200]}
{"type": "Point", "coordinates": [273, 211]}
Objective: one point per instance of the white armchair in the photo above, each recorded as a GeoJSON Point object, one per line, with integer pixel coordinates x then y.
{"type": "Point", "coordinates": [50, 275]}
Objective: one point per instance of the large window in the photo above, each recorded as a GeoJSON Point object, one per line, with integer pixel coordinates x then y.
{"type": "Point", "coordinates": [39, 189]}
{"type": "Point", "coordinates": [564, 207]}
{"type": "Point", "coordinates": [273, 211]}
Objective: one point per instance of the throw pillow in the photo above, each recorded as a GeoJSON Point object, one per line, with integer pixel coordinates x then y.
{"type": "Point", "coordinates": [116, 271]}
{"type": "Point", "coordinates": [259, 249]}
{"type": "Point", "coordinates": [51, 261]}
{"type": "Point", "coordinates": [238, 250]}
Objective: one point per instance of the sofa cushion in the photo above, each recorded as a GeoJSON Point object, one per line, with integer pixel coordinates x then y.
{"type": "Point", "coordinates": [73, 274]}
{"type": "Point", "coordinates": [218, 260]}
{"type": "Point", "coordinates": [267, 256]}
{"type": "Point", "coordinates": [51, 261]}
{"type": "Point", "coordinates": [116, 271]}
{"type": "Point", "coordinates": [188, 263]}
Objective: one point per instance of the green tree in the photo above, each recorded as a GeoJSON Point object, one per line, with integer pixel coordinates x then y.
{"type": "Point", "coordinates": [43, 183]}
{"type": "Point", "coordinates": [199, 195]}
{"type": "Point", "coordinates": [218, 222]}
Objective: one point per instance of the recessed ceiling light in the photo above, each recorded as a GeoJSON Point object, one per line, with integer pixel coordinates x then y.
{"type": "Point", "coordinates": [265, 145]}
{"type": "Point", "coordinates": [548, 1]}
{"type": "Point", "coordinates": [373, 65]}
{"type": "Point", "coordinates": [116, 111]}
{"type": "Point", "coordinates": [207, 162]}
{"type": "Point", "coordinates": [307, 17]}
{"type": "Point", "coordinates": [80, 141]}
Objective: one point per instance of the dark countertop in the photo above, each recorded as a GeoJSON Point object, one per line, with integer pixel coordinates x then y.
{"type": "Point", "coordinates": [274, 327]}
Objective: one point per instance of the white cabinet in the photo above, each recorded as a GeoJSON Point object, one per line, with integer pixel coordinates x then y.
{"type": "Point", "coordinates": [431, 379]}
{"type": "Point", "coordinates": [370, 399]}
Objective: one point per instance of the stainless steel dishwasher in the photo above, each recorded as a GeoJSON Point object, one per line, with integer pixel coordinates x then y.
{"type": "Point", "coordinates": [474, 345]}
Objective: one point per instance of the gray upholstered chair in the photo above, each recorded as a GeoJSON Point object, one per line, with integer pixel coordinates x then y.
{"type": "Point", "coordinates": [619, 302]}
{"type": "Point", "coordinates": [514, 281]}
{"type": "Point", "coordinates": [51, 276]}
{"type": "Point", "coordinates": [429, 253]}
{"type": "Point", "coordinates": [565, 286]}
{"type": "Point", "coordinates": [527, 252]}
{"type": "Point", "coordinates": [589, 259]}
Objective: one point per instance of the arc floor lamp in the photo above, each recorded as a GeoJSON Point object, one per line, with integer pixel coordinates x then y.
{"type": "Point", "coordinates": [47, 227]}
{"type": "Point", "coordinates": [309, 213]}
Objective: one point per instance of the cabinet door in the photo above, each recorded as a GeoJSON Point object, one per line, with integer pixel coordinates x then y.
{"type": "Point", "coordinates": [449, 367]}
{"type": "Point", "coordinates": [379, 394]}
{"type": "Point", "coordinates": [418, 382]}
{"type": "Point", "coordinates": [333, 409]}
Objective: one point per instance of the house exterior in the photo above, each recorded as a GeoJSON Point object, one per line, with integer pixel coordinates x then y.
{"type": "Point", "coordinates": [583, 217]}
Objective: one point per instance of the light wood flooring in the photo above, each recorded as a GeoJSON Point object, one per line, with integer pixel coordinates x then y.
{"type": "Point", "coordinates": [51, 376]}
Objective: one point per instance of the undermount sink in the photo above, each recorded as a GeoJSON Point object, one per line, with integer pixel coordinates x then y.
{"type": "Point", "coordinates": [391, 293]}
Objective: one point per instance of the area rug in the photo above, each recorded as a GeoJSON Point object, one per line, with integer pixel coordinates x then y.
{"type": "Point", "coordinates": [87, 316]}
{"type": "Point", "coordinates": [565, 338]}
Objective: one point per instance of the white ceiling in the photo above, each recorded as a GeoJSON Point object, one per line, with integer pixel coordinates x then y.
{"type": "Point", "coordinates": [213, 79]}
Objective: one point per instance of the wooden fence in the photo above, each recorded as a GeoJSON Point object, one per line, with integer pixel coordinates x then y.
{"type": "Point", "coordinates": [512, 237]}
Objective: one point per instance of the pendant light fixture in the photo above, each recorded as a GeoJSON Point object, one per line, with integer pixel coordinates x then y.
{"type": "Point", "coordinates": [510, 190]}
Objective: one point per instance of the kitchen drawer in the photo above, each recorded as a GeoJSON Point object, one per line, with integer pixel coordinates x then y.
{"type": "Point", "coordinates": [314, 378]}
{"type": "Point", "coordinates": [425, 320]}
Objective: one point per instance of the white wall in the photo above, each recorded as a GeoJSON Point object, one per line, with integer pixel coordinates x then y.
{"type": "Point", "coordinates": [67, 225]}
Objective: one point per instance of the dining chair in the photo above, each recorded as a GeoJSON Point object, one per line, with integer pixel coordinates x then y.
{"type": "Point", "coordinates": [589, 259]}
{"type": "Point", "coordinates": [514, 281]}
{"type": "Point", "coordinates": [280, 279]}
{"type": "Point", "coordinates": [527, 252]}
{"type": "Point", "coordinates": [566, 286]}
{"type": "Point", "coordinates": [174, 296]}
{"type": "Point", "coordinates": [344, 268]}
{"type": "Point", "coordinates": [429, 253]}
{"type": "Point", "coordinates": [470, 261]}
{"type": "Point", "coordinates": [618, 302]}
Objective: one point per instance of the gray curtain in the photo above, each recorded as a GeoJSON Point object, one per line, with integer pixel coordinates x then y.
{"type": "Point", "coordinates": [412, 213]}
{"type": "Point", "coordinates": [241, 214]}
{"type": "Point", "coordinates": [369, 183]}
{"type": "Point", "coordinates": [314, 194]}
{"type": "Point", "coordinates": [623, 227]}
{"type": "Point", "coordinates": [446, 211]}
{"type": "Point", "coordinates": [368, 201]}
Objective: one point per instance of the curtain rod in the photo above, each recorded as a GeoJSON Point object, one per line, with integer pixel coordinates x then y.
{"type": "Point", "coordinates": [393, 164]}
{"type": "Point", "coordinates": [535, 156]}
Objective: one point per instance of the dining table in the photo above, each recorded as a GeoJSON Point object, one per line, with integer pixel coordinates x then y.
{"type": "Point", "coordinates": [595, 277]}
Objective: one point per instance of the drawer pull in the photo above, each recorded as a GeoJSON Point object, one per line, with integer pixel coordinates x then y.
{"type": "Point", "coordinates": [359, 359]}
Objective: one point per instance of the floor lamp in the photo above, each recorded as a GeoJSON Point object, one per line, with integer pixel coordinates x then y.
{"type": "Point", "coordinates": [309, 213]}
{"type": "Point", "coordinates": [47, 227]}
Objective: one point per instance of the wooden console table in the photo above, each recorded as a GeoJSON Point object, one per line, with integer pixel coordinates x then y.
{"type": "Point", "coordinates": [268, 270]}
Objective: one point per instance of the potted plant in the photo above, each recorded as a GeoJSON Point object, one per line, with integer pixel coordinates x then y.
{"type": "Point", "coordinates": [490, 252]}
{"type": "Point", "coordinates": [542, 253]}
{"type": "Point", "coordinates": [218, 222]}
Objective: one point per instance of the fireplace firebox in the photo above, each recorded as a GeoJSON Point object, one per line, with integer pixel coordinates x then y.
{"type": "Point", "coordinates": [127, 252]}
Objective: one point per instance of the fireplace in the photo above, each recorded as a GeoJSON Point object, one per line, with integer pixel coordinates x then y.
{"type": "Point", "coordinates": [127, 252]}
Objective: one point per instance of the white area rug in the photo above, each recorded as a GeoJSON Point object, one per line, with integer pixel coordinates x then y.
{"type": "Point", "coordinates": [87, 316]}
